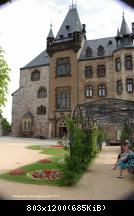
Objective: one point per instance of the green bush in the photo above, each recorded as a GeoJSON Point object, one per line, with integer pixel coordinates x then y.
{"type": "Point", "coordinates": [5, 124]}
{"type": "Point", "coordinates": [83, 148]}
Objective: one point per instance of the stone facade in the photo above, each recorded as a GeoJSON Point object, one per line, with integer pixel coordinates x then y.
{"type": "Point", "coordinates": [71, 43]}
{"type": "Point", "coordinates": [25, 99]}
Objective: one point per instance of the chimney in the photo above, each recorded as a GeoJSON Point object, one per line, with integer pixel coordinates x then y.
{"type": "Point", "coordinates": [133, 28]}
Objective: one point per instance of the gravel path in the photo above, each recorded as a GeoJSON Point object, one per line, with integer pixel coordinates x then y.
{"type": "Point", "coordinates": [98, 183]}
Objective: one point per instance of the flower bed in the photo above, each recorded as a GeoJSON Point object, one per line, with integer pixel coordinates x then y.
{"type": "Point", "coordinates": [17, 172]}
{"type": "Point", "coordinates": [55, 146]}
{"type": "Point", "coordinates": [46, 174]}
{"type": "Point", "coordinates": [45, 161]}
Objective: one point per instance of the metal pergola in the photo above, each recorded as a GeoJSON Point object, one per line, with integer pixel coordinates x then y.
{"type": "Point", "coordinates": [104, 111]}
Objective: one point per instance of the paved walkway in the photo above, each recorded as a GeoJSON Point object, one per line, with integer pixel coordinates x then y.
{"type": "Point", "coordinates": [98, 183]}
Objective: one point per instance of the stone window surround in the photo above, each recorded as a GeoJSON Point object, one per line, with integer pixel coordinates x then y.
{"type": "Point", "coordinates": [63, 67]}
{"type": "Point", "coordinates": [63, 98]}
{"type": "Point", "coordinates": [35, 75]}
{"type": "Point", "coordinates": [128, 58]}
{"type": "Point", "coordinates": [101, 70]}
{"type": "Point", "coordinates": [41, 110]}
{"type": "Point", "coordinates": [27, 125]}
{"type": "Point", "coordinates": [42, 92]}
{"type": "Point", "coordinates": [119, 87]}
{"type": "Point", "coordinates": [88, 71]}
{"type": "Point", "coordinates": [89, 90]}
{"type": "Point", "coordinates": [103, 88]}
{"type": "Point", "coordinates": [129, 85]}
{"type": "Point", "coordinates": [118, 64]}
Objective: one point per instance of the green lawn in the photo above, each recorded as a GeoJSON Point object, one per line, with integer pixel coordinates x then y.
{"type": "Point", "coordinates": [50, 151]}
{"type": "Point", "coordinates": [58, 154]}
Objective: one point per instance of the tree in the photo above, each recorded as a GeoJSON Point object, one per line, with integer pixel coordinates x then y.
{"type": "Point", "coordinates": [4, 79]}
{"type": "Point", "coordinates": [5, 125]}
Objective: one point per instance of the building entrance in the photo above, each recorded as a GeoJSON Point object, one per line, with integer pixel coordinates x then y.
{"type": "Point", "coordinates": [62, 132]}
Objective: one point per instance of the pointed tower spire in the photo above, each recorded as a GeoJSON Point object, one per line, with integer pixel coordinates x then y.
{"type": "Point", "coordinates": [118, 32]}
{"type": "Point", "coordinates": [124, 30]}
{"type": "Point", "coordinates": [50, 34]}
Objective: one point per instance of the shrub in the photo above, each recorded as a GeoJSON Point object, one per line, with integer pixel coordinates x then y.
{"type": "Point", "coordinates": [17, 172]}
{"type": "Point", "coordinates": [83, 148]}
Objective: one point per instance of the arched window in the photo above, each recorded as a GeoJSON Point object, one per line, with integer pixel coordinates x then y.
{"type": "Point", "coordinates": [89, 52]}
{"type": "Point", "coordinates": [35, 76]}
{"type": "Point", "coordinates": [41, 110]}
{"type": "Point", "coordinates": [101, 51]}
{"type": "Point", "coordinates": [110, 42]}
{"type": "Point", "coordinates": [42, 92]}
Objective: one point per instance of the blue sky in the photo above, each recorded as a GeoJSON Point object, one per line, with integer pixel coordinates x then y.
{"type": "Point", "coordinates": [24, 26]}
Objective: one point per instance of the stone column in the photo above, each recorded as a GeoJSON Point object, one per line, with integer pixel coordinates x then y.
{"type": "Point", "coordinates": [50, 130]}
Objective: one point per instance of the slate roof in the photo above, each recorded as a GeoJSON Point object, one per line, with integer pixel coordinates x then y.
{"type": "Point", "coordinates": [28, 115]}
{"type": "Point", "coordinates": [50, 34]}
{"type": "Point", "coordinates": [94, 44]}
{"type": "Point", "coordinates": [41, 60]}
{"type": "Point", "coordinates": [124, 30]}
{"type": "Point", "coordinates": [71, 20]}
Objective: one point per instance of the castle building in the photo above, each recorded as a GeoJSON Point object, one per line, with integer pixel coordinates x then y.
{"type": "Point", "coordinates": [72, 70]}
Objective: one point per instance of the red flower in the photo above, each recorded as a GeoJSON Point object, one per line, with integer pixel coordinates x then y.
{"type": "Point", "coordinates": [17, 172]}
{"type": "Point", "coordinates": [45, 161]}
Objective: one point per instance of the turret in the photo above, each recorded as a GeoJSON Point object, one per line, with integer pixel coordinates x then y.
{"type": "Point", "coordinates": [50, 41]}
{"type": "Point", "coordinates": [123, 37]}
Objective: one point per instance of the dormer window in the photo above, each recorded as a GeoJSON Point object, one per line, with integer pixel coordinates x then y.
{"type": "Point", "coordinates": [69, 35]}
{"type": "Point", "coordinates": [67, 27]}
{"type": "Point", "coordinates": [110, 42]}
{"type": "Point", "coordinates": [101, 51]}
{"type": "Point", "coordinates": [89, 52]}
{"type": "Point", "coordinates": [61, 36]}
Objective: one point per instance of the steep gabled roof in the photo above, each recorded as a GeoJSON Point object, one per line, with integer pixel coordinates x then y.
{"type": "Point", "coordinates": [70, 24]}
{"type": "Point", "coordinates": [41, 60]}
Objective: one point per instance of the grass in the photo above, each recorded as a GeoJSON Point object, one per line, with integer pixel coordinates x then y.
{"type": "Point", "coordinates": [33, 167]}
{"type": "Point", "coordinates": [50, 151]}
{"type": "Point", "coordinates": [57, 153]}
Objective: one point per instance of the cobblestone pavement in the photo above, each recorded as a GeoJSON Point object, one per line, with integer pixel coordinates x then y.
{"type": "Point", "coordinates": [98, 183]}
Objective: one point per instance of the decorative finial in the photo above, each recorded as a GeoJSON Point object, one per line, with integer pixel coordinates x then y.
{"type": "Point", "coordinates": [123, 14]}
{"type": "Point", "coordinates": [51, 24]}
{"type": "Point", "coordinates": [72, 3]}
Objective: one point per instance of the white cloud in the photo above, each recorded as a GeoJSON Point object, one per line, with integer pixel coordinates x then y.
{"type": "Point", "coordinates": [24, 26]}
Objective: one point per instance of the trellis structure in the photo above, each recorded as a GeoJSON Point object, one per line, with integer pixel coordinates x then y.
{"type": "Point", "coordinates": [104, 111]}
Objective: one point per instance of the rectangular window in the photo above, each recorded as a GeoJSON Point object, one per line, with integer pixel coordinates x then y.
{"type": "Point", "coordinates": [88, 72]}
{"type": "Point", "coordinates": [128, 62]}
{"type": "Point", "coordinates": [129, 85]}
{"type": "Point", "coordinates": [89, 91]}
{"type": "Point", "coordinates": [118, 64]}
{"type": "Point", "coordinates": [119, 87]}
{"type": "Point", "coordinates": [63, 98]}
{"type": "Point", "coordinates": [101, 71]}
{"type": "Point", "coordinates": [63, 67]}
{"type": "Point", "coordinates": [102, 90]}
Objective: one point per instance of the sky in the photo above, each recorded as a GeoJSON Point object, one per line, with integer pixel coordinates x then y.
{"type": "Point", "coordinates": [24, 26]}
